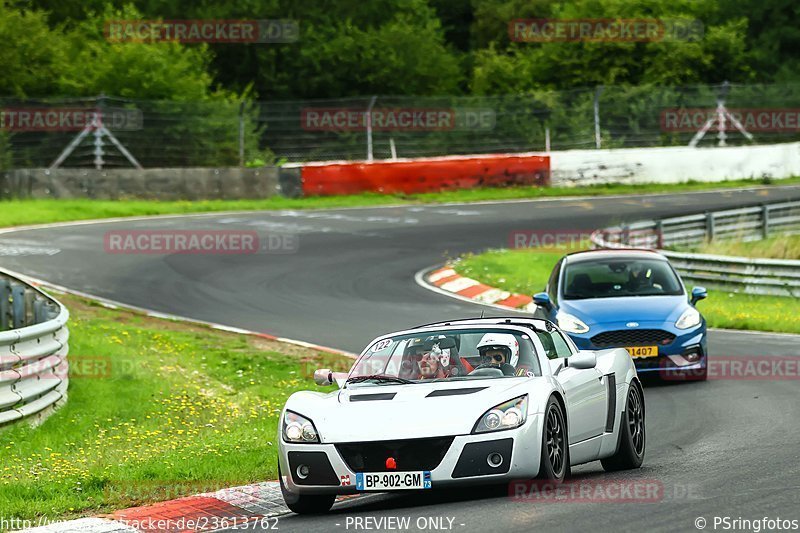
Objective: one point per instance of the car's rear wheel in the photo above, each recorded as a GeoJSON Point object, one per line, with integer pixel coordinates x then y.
{"type": "Point", "coordinates": [306, 503]}
{"type": "Point", "coordinates": [554, 461]}
{"type": "Point", "coordinates": [632, 438]}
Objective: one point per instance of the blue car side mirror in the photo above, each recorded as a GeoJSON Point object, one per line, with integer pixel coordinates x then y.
{"type": "Point", "coordinates": [698, 293]}
{"type": "Point", "coordinates": [542, 300]}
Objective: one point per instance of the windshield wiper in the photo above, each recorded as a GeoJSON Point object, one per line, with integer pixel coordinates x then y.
{"type": "Point", "coordinates": [380, 378]}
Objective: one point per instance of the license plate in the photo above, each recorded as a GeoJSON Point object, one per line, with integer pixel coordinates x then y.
{"type": "Point", "coordinates": [642, 351]}
{"type": "Point", "coordinates": [393, 480]}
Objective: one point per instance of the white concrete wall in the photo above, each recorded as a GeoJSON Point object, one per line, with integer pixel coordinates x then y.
{"type": "Point", "coordinates": [674, 164]}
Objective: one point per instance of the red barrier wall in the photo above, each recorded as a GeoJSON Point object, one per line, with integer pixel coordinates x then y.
{"type": "Point", "coordinates": [425, 175]}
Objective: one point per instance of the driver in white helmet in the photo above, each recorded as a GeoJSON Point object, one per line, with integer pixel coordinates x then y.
{"type": "Point", "coordinates": [498, 349]}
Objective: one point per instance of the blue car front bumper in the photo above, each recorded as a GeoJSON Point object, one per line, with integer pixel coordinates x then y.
{"type": "Point", "coordinates": [678, 349]}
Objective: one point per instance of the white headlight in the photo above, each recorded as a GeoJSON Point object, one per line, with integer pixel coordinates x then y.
{"type": "Point", "coordinates": [297, 428]}
{"type": "Point", "coordinates": [571, 324]}
{"type": "Point", "coordinates": [293, 431]}
{"type": "Point", "coordinates": [309, 433]}
{"type": "Point", "coordinates": [507, 415]}
{"type": "Point", "coordinates": [492, 419]}
{"type": "Point", "coordinates": [689, 318]}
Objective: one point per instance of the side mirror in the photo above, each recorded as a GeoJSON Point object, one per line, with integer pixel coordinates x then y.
{"type": "Point", "coordinates": [542, 300]}
{"type": "Point", "coordinates": [323, 376]}
{"type": "Point", "coordinates": [582, 360]}
{"type": "Point", "coordinates": [699, 293]}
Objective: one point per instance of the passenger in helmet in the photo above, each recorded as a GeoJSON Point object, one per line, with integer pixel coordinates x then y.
{"type": "Point", "coordinates": [498, 349]}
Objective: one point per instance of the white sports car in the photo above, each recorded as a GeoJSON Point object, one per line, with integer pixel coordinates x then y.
{"type": "Point", "coordinates": [467, 401]}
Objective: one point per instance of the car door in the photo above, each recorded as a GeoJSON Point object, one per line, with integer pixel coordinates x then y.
{"type": "Point", "coordinates": [586, 394]}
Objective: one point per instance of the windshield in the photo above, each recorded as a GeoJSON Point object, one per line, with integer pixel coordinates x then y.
{"type": "Point", "coordinates": [613, 277]}
{"type": "Point", "coordinates": [447, 355]}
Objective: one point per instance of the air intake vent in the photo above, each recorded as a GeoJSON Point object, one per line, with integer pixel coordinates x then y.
{"type": "Point", "coordinates": [453, 392]}
{"type": "Point", "coordinates": [372, 397]}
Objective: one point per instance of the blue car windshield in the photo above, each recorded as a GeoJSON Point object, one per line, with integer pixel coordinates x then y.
{"type": "Point", "coordinates": [609, 278]}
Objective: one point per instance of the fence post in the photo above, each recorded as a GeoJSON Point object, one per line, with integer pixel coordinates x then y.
{"type": "Point", "coordinates": [597, 92]}
{"type": "Point", "coordinates": [764, 221]}
{"type": "Point", "coordinates": [547, 139]}
{"type": "Point", "coordinates": [241, 134]}
{"type": "Point", "coordinates": [369, 128]}
{"type": "Point", "coordinates": [710, 226]}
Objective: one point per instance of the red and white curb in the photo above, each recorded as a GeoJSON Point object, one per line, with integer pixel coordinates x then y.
{"type": "Point", "coordinates": [235, 508]}
{"type": "Point", "coordinates": [446, 280]}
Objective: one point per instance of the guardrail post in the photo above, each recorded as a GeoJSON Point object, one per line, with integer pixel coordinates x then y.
{"type": "Point", "coordinates": [659, 235]}
{"type": "Point", "coordinates": [764, 221]}
{"type": "Point", "coordinates": [30, 318]}
{"type": "Point", "coordinates": [625, 235]}
{"type": "Point", "coordinates": [17, 306]}
{"type": "Point", "coordinates": [710, 226]}
{"type": "Point", "coordinates": [5, 304]}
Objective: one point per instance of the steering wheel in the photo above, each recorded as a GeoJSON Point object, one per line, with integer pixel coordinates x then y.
{"type": "Point", "coordinates": [486, 365]}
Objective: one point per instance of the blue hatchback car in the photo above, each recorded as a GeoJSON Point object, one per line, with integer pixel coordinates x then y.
{"type": "Point", "coordinates": [630, 299]}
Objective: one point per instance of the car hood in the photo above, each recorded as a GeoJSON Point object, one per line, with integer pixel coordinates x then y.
{"type": "Point", "coordinates": [625, 309]}
{"type": "Point", "coordinates": [405, 411]}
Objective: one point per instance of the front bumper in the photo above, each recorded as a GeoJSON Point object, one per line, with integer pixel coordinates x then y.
{"type": "Point", "coordinates": [464, 462]}
{"type": "Point", "coordinates": [672, 357]}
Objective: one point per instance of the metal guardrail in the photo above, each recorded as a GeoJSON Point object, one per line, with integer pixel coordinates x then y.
{"type": "Point", "coordinates": [738, 274]}
{"type": "Point", "coordinates": [33, 351]}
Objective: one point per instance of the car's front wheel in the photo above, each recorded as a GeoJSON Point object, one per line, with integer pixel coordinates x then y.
{"type": "Point", "coordinates": [306, 503]}
{"type": "Point", "coordinates": [554, 461]}
{"type": "Point", "coordinates": [632, 438]}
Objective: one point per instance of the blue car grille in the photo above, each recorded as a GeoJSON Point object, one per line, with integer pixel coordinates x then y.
{"type": "Point", "coordinates": [632, 337]}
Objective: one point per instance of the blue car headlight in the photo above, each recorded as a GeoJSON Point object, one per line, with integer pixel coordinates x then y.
{"type": "Point", "coordinates": [507, 415]}
{"type": "Point", "coordinates": [688, 319]}
{"type": "Point", "coordinates": [571, 324]}
{"type": "Point", "coordinates": [299, 429]}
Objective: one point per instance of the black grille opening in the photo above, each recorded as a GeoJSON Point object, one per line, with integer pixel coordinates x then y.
{"type": "Point", "coordinates": [633, 337]}
{"type": "Point", "coordinates": [411, 454]}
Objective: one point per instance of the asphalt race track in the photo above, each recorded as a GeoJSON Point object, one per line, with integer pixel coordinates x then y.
{"type": "Point", "coordinates": [722, 448]}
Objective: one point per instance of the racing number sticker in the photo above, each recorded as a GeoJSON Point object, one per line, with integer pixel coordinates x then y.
{"type": "Point", "coordinates": [381, 345]}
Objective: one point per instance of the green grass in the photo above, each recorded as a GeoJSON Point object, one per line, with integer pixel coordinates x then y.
{"type": "Point", "coordinates": [23, 212]}
{"type": "Point", "coordinates": [181, 410]}
{"type": "Point", "coordinates": [776, 247]}
{"type": "Point", "coordinates": [526, 271]}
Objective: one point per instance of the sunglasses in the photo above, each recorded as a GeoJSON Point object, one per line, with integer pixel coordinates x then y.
{"type": "Point", "coordinates": [496, 357]}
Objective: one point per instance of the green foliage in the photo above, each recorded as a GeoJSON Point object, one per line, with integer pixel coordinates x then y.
{"type": "Point", "coordinates": [399, 47]}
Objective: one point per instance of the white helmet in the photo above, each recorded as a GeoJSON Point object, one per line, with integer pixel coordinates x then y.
{"type": "Point", "coordinates": [504, 341]}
